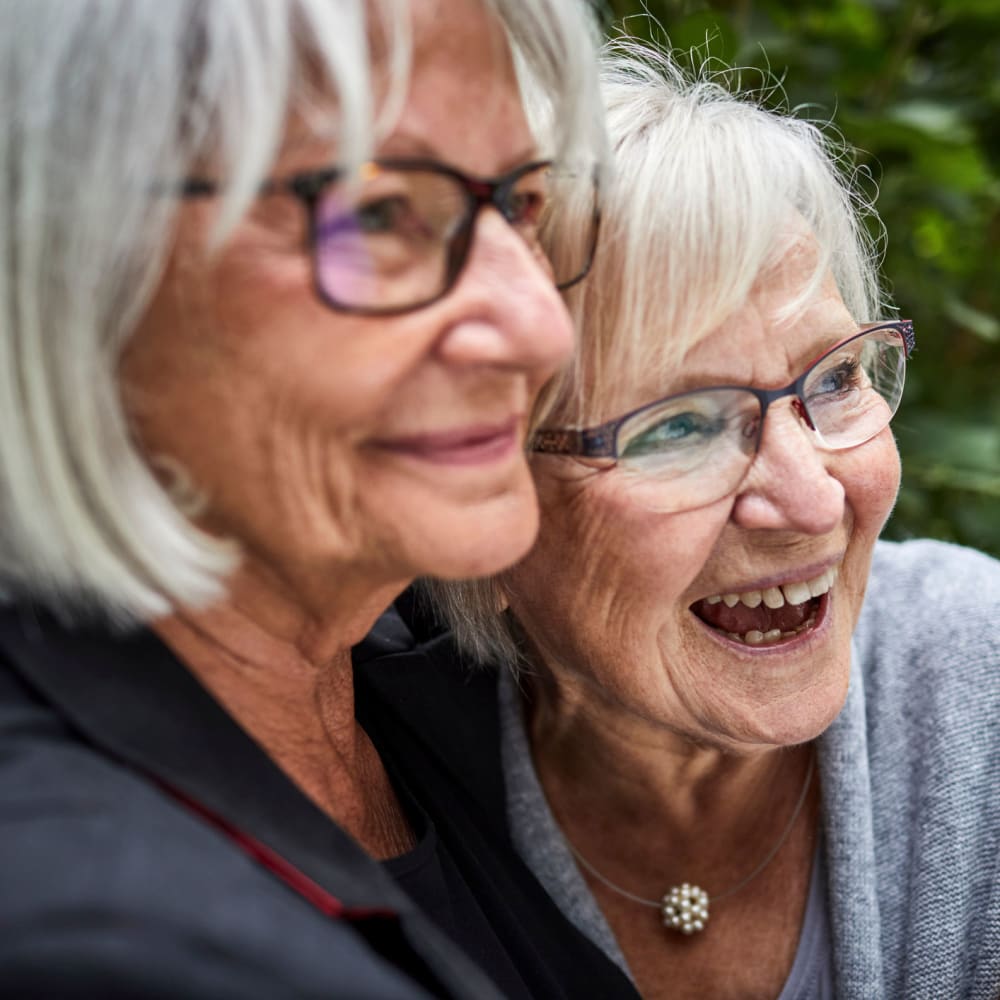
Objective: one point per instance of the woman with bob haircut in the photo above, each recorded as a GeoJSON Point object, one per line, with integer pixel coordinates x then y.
{"type": "Point", "coordinates": [275, 304]}
{"type": "Point", "coordinates": [750, 750]}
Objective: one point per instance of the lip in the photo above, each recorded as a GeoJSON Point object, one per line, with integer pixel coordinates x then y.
{"type": "Point", "coordinates": [474, 444]}
{"type": "Point", "coordinates": [806, 638]}
{"type": "Point", "coordinates": [798, 575]}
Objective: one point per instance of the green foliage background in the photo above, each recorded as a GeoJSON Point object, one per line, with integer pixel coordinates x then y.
{"type": "Point", "coordinates": [915, 87]}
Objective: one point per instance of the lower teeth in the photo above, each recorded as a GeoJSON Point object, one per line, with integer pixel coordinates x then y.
{"type": "Point", "coordinates": [756, 638]}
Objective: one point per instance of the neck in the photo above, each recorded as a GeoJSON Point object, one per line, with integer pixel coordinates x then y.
{"type": "Point", "coordinates": [286, 676]}
{"type": "Point", "coordinates": [628, 792]}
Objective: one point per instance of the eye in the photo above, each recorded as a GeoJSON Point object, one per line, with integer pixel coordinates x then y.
{"type": "Point", "coordinates": [380, 216]}
{"type": "Point", "coordinates": [674, 433]}
{"type": "Point", "coordinates": [389, 216]}
{"type": "Point", "coordinates": [841, 378]}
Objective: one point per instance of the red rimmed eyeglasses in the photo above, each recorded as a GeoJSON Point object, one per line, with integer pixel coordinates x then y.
{"type": "Point", "coordinates": [693, 448]}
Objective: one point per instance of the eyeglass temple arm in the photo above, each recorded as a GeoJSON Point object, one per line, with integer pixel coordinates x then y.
{"type": "Point", "coordinates": [306, 185]}
{"type": "Point", "coordinates": [592, 442]}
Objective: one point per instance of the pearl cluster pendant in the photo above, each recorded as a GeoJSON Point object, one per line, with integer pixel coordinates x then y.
{"type": "Point", "coordinates": [685, 909]}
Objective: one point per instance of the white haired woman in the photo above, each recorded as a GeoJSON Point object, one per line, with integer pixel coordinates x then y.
{"type": "Point", "coordinates": [274, 308]}
{"type": "Point", "coordinates": [739, 774]}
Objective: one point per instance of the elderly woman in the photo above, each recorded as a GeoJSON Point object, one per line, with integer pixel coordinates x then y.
{"type": "Point", "coordinates": [274, 308]}
{"type": "Point", "coordinates": [738, 773]}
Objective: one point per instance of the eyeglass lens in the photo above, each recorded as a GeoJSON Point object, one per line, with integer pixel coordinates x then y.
{"type": "Point", "coordinates": [693, 449]}
{"type": "Point", "coordinates": [399, 237]}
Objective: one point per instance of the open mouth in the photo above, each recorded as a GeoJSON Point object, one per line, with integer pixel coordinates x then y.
{"type": "Point", "coordinates": [770, 616]}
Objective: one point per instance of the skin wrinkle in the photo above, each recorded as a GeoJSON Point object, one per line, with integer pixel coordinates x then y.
{"type": "Point", "coordinates": [296, 449]}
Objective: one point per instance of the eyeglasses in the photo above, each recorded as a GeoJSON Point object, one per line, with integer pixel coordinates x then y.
{"type": "Point", "coordinates": [395, 236]}
{"type": "Point", "coordinates": [689, 450]}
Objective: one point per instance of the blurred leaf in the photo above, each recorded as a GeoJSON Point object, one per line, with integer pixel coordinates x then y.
{"type": "Point", "coordinates": [848, 22]}
{"type": "Point", "coordinates": [958, 168]}
{"type": "Point", "coordinates": [937, 121]}
{"type": "Point", "coordinates": [711, 33]}
{"type": "Point", "coordinates": [982, 325]}
{"type": "Point", "coordinates": [943, 446]}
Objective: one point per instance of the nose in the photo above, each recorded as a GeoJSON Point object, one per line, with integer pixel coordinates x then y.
{"type": "Point", "coordinates": [791, 485]}
{"type": "Point", "coordinates": [507, 311]}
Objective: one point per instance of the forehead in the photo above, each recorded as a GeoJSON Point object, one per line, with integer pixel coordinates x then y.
{"type": "Point", "coordinates": [790, 316]}
{"type": "Point", "coordinates": [783, 324]}
{"type": "Point", "coordinates": [459, 102]}
{"type": "Point", "coordinates": [463, 103]}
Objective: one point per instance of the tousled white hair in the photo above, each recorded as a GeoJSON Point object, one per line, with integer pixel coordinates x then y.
{"type": "Point", "coordinates": [710, 189]}
{"type": "Point", "coordinates": [106, 106]}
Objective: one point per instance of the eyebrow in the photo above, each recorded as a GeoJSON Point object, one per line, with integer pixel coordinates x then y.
{"type": "Point", "coordinates": [404, 144]}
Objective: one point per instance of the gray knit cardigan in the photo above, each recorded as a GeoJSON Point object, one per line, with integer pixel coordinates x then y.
{"type": "Point", "coordinates": [911, 788]}
{"type": "Point", "coordinates": [911, 783]}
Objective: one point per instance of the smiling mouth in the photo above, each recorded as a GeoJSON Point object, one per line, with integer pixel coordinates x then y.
{"type": "Point", "coordinates": [770, 616]}
{"type": "Point", "coordinates": [474, 445]}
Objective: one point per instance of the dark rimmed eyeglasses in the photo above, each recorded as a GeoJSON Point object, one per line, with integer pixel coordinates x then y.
{"type": "Point", "coordinates": [693, 448]}
{"type": "Point", "coordinates": [395, 235]}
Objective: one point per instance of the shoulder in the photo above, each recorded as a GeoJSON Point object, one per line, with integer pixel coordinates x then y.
{"type": "Point", "coordinates": [421, 675]}
{"type": "Point", "coordinates": [121, 956]}
{"type": "Point", "coordinates": [429, 710]}
{"type": "Point", "coordinates": [435, 721]}
{"type": "Point", "coordinates": [923, 716]}
{"type": "Point", "coordinates": [924, 572]}
{"type": "Point", "coordinates": [928, 645]}
{"type": "Point", "coordinates": [930, 601]}
{"type": "Point", "coordinates": [108, 888]}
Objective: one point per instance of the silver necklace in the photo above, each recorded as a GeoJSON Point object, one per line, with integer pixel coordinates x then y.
{"type": "Point", "coordinates": [684, 907]}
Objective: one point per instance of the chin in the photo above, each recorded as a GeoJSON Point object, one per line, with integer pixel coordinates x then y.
{"type": "Point", "coordinates": [808, 716]}
{"type": "Point", "coordinates": [477, 540]}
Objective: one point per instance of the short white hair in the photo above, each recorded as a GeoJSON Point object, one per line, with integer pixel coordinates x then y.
{"type": "Point", "coordinates": [707, 187]}
{"type": "Point", "coordinates": [103, 102]}
{"type": "Point", "coordinates": [709, 183]}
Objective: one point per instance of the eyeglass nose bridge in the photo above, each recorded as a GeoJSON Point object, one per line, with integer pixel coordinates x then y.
{"type": "Point", "coordinates": [480, 194]}
{"type": "Point", "coordinates": [484, 193]}
{"type": "Point", "coordinates": [765, 397]}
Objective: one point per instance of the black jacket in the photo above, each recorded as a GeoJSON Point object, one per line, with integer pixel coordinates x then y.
{"type": "Point", "coordinates": [436, 725]}
{"type": "Point", "coordinates": [112, 886]}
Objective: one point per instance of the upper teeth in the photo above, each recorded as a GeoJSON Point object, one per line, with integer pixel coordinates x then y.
{"type": "Point", "coordinates": [776, 597]}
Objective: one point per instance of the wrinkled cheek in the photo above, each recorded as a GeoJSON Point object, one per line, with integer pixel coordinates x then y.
{"type": "Point", "coordinates": [885, 478]}
{"type": "Point", "coordinates": [309, 479]}
{"type": "Point", "coordinates": [873, 487]}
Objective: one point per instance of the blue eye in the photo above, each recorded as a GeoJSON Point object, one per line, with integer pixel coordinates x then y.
{"type": "Point", "coordinates": [680, 431]}
{"type": "Point", "coordinates": [840, 379]}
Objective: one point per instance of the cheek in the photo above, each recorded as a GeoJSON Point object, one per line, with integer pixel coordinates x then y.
{"type": "Point", "coordinates": [871, 476]}
{"type": "Point", "coordinates": [871, 481]}
{"type": "Point", "coordinates": [608, 575]}
{"type": "Point", "coordinates": [246, 349]}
